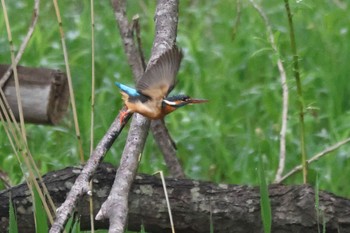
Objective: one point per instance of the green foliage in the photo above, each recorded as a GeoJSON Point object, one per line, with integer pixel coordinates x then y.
{"type": "Point", "coordinates": [76, 227]}
{"type": "Point", "coordinates": [218, 141]}
{"type": "Point", "coordinates": [211, 224]}
{"type": "Point", "coordinates": [265, 204]}
{"type": "Point", "coordinates": [73, 225]}
{"type": "Point", "coordinates": [319, 211]}
{"type": "Point", "coordinates": [41, 225]}
{"type": "Point", "coordinates": [12, 219]}
{"type": "Point", "coordinates": [142, 229]}
{"type": "Point", "coordinates": [69, 224]}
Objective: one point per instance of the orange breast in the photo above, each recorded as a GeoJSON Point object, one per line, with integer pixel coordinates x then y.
{"type": "Point", "coordinates": [167, 109]}
{"type": "Point", "coordinates": [153, 109]}
{"type": "Point", "coordinates": [149, 109]}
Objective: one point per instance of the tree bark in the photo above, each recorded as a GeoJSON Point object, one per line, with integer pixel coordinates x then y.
{"type": "Point", "coordinates": [136, 62]}
{"type": "Point", "coordinates": [44, 94]}
{"type": "Point", "coordinates": [194, 204]}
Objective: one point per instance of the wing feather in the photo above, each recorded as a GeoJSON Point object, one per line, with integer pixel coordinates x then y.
{"type": "Point", "coordinates": [159, 80]}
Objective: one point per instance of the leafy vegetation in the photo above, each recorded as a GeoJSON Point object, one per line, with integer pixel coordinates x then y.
{"type": "Point", "coordinates": [235, 68]}
{"type": "Point", "coordinates": [265, 203]}
{"type": "Point", "coordinates": [12, 216]}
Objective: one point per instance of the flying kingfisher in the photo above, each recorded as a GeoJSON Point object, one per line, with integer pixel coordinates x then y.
{"type": "Point", "coordinates": [150, 98]}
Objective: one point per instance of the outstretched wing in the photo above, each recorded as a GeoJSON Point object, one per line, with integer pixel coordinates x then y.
{"type": "Point", "coordinates": [158, 81]}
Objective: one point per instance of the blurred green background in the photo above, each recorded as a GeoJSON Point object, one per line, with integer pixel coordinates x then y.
{"type": "Point", "coordinates": [219, 141]}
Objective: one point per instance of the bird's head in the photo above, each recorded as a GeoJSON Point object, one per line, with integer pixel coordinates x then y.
{"type": "Point", "coordinates": [174, 102]}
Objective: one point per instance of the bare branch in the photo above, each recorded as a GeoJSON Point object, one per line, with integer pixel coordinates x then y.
{"type": "Point", "coordinates": [126, 33]}
{"type": "Point", "coordinates": [24, 44]}
{"type": "Point", "coordinates": [168, 148]}
{"type": "Point", "coordinates": [313, 159]}
{"type": "Point", "coordinates": [116, 206]}
{"type": "Point", "coordinates": [81, 185]}
{"type": "Point", "coordinates": [283, 78]}
{"type": "Point", "coordinates": [136, 60]}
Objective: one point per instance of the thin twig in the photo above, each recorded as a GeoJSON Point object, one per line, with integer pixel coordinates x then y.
{"type": "Point", "coordinates": [12, 130]}
{"type": "Point", "coordinates": [168, 148]}
{"type": "Point", "coordinates": [70, 85]}
{"type": "Point", "coordinates": [237, 20]}
{"type": "Point", "coordinates": [314, 158]}
{"type": "Point", "coordinates": [21, 139]}
{"type": "Point", "coordinates": [283, 78]}
{"type": "Point", "coordinates": [92, 77]}
{"type": "Point", "coordinates": [5, 179]}
{"type": "Point", "coordinates": [15, 74]}
{"type": "Point", "coordinates": [92, 115]}
{"type": "Point", "coordinates": [24, 44]}
{"type": "Point", "coordinates": [167, 201]}
{"type": "Point", "coordinates": [299, 90]}
{"type": "Point", "coordinates": [137, 29]}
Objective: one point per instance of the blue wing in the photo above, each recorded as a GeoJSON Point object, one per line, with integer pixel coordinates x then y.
{"type": "Point", "coordinates": [128, 90]}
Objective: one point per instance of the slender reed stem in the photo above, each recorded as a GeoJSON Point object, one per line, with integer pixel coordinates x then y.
{"type": "Point", "coordinates": [285, 92]}
{"type": "Point", "coordinates": [299, 90]}
{"type": "Point", "coordinates": [15, 74]}
{"type": "Point", "coordinates": [70, 85]}
{"type": "Point", "coordinates": [15, 137]}
{"type": "Point", "coordinates": [92, 228]}
{"type": "Point", "coordinates": [24, 44]}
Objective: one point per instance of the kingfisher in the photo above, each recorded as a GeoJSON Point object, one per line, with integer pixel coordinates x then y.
{"type": "Point", "coordinates": [150, 97]}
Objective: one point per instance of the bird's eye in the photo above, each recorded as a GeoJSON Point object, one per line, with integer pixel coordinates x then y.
{"type": "Point", "coordinates": [185, 98]}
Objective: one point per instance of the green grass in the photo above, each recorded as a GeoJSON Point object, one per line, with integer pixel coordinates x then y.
{"type": "Point", "coordinates": [41, 225]}
{"type": "Point", "coordinates": [219, 141]}
{"type": "Point", "coordinates": [265, 204]}
{"type": "Point", "coordinates": [12, 216]}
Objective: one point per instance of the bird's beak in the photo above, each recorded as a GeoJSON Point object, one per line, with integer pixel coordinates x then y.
{"type": "Point", "coordinates": [196, 101]}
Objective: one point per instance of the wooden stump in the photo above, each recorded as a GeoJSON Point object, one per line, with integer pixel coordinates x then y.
{"type": "Point", "coordinates": [44, 93]}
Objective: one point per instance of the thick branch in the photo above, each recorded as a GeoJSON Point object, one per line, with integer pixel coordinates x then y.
{"type": "Point", "coordinates": [116, 206]}
{"type": "Point", "coordinates": [159, 130]}
{"type": "Point", "coordinates": [81, 185]}
{"type": "Point", "coordinates": [233, 208]}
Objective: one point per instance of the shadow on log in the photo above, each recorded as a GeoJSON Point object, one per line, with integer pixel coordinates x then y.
{"type": "Point", "coordinates": [233, 208]}
{"type": "Point", "coordinates": [44, 94]}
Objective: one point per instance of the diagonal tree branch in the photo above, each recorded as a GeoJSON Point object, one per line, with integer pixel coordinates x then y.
{"type": "Point", "coordinates": [116, 206]}
{"type": "Point", "coordinates": [81, 185]}
{"type": "Point", "coordinates": [158, 128]}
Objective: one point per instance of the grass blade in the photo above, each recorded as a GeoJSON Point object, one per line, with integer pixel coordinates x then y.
{"type": "Point", "coordinates": [13, 222]}
{"type": "Point", "coordinates": [264, 199]}
{"type": "Point", "coordinates": [40, 216]}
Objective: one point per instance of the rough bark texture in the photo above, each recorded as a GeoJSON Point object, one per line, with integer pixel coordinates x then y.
{"type": "Point", "coordinates": [115, 208]}
{"type": "Point", "coordinates": [232, 208]}
{"type": "Point", "coordinates": [168, 148]}
{"type": "Point", "coordinates": [81, 186]}
{"type": "Point", "coordinates": [159, 130]}
{"type": "Point", "coordinates": [44, 94]}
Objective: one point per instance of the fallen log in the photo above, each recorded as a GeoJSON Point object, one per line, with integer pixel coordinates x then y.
{"type": "Point", "coordinates": [194, 204]}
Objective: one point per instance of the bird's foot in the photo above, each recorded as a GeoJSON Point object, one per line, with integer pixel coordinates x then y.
{"type": "Point", "coordinates": [124, 115]}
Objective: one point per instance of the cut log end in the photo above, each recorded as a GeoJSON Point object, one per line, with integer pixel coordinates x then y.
{"type": "Point", "coordinates": [59, 97]}
{"type": "Point", "coordinates": [44, 94]}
